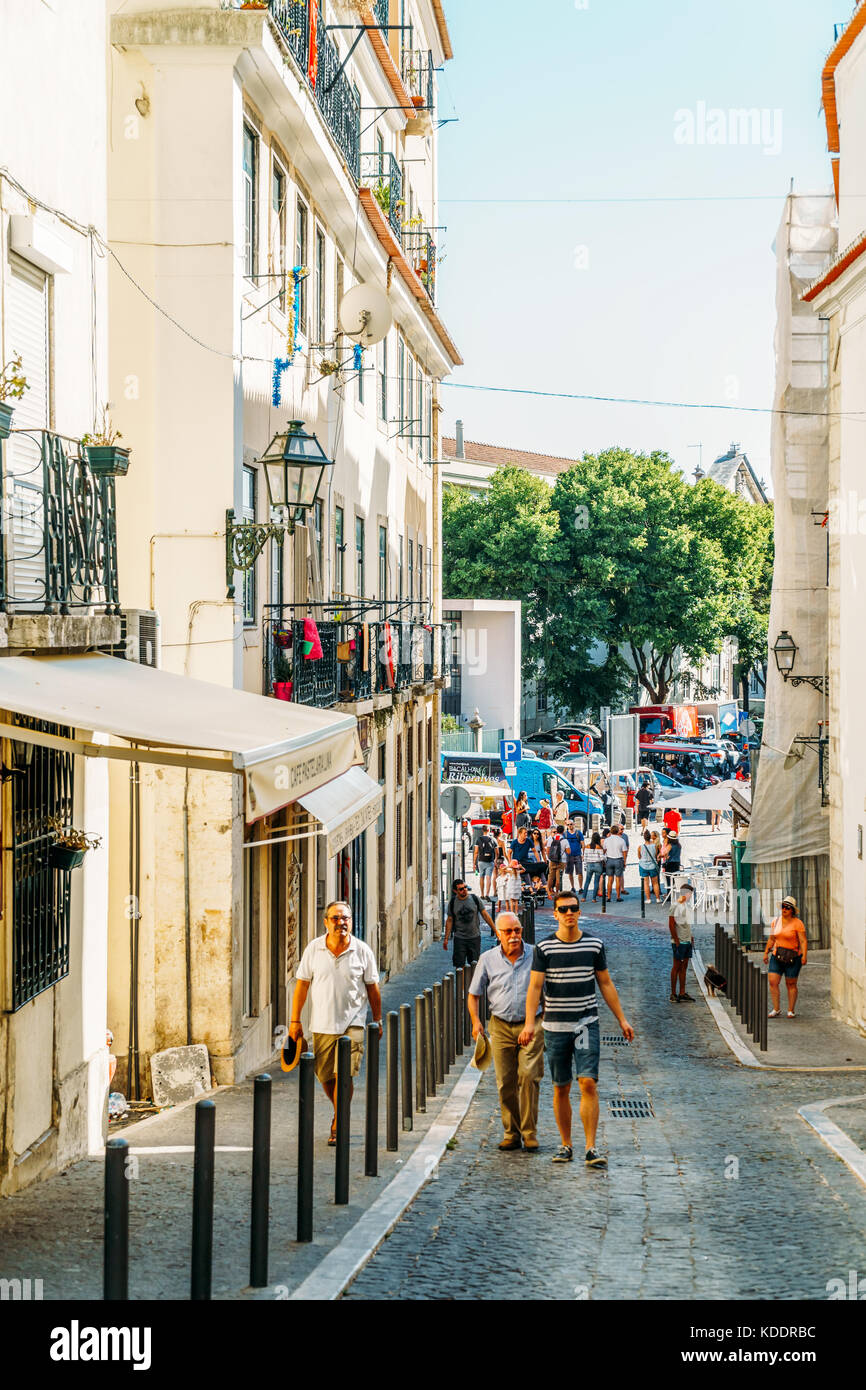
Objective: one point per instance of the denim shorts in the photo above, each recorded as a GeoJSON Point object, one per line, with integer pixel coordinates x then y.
{"type": "Point", "coordinates": [649, 872]}
{"type": "Point", "coordinates": [616, 867]}
{"type": "Point", "coordinates": [567, 1060]}
{"type": "Point", "coordinates": [790, 972]}
{"type": "Point", "coordinates": [682, 950]}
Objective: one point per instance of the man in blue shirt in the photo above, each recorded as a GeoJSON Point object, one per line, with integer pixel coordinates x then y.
{"type": "Point", "coordinates": [504, 973]}
{"type": "Point", "coordinates": [574, 861]}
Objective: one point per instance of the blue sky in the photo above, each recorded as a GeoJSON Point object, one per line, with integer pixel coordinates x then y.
{"type": "Point", "coordinates": [656, 300]}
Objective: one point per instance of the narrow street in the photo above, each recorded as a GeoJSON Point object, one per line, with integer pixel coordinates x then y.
{"type": "Point", "coordinates": [722, 1193]}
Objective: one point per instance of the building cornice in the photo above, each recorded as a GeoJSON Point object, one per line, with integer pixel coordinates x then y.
{"type": "Point", "coordinates": [828, 77]}
{"type": "Point", "coordinates": [389, 67]}
{"type": "Point", "coordinates": [815, 294]}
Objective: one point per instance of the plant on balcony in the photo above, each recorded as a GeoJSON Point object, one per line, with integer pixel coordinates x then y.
{"type": "Point", "coordinates": [382, 194]}
{"type": "Point", "coordinates": [328, 367]}
{"type": "Point", "coordinates": [13, 384]}
{"type": "Point", "coordinates": [102, 450]}
{"type": "Point", "coordinates": [282, 674]}
{"type": "Point", "coordinates": [69, 846]}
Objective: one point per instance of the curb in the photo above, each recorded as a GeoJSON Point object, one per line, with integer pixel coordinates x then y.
{"type": "Point", "coordinates": [743, 1053]}
{"type": "Point", "coordinates": [842, 1144]}
{"type": "Point", "coordinates": [347, 1259]}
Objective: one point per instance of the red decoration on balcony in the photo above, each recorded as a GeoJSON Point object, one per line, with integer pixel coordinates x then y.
{"type": "Point", "coordinates": [283, 690]}
{"type": "Point", "coordinates": [313, 59]}
{"type": "Point", "coordinates": [388, 656]}
{"type": "Point", "coordinates": [312, 642]}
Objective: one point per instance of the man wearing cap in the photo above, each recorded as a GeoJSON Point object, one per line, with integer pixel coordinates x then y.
{"type": "Point", "coordinates": [504, 973]}
{"type": "Point", "coordinates": [339, 973]}
{"type": "Point", "coordinates": [682, 943]}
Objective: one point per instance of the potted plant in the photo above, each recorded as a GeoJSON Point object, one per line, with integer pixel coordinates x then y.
{"type": "Point", "coordinates": [13, 384]}
{"type": "Point", "coordinates": [69, 846]}
{"type": "Point", "coordinates": [382, 194]}
{"type": "Point", "coordinates": [101, 448]}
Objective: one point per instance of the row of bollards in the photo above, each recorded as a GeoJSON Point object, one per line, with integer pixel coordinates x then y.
{"type": "Point", "coordinates": [746, 987]}
{"type": "Point", "coordinates": [442, 1029]}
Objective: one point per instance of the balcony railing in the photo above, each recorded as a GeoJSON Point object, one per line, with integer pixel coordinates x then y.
{"type": "Point", "coordinates": [365, 652]}
{"type": "Point", "coordinates": [58, 537]}
{"type": "Point", "coordinates": [417, 71]}
{"type": "Point", "coordinates": [333, 90]}
{"type": "Point", "coordinates": [381, 173]}
{"type": "Point", "coordinates": [380, 10]}
{"type": "Point", "coordinates": [419, 248]}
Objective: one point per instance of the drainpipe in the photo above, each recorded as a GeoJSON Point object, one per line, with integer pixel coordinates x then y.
{"type": "Point", "coordinates": [458, 444]}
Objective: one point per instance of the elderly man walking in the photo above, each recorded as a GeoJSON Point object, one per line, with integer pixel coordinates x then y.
{"type": "Point", "coordinates": [504, 973]}
{"type": "Point", "coordinates": [339, 973]}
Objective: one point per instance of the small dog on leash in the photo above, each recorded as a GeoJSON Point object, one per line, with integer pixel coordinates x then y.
{"type": "Point", "coordinates": [715, 981]}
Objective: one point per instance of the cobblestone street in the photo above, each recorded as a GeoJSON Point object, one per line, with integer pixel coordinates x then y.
{"type": "Point", "coordinates": [723, 1193]}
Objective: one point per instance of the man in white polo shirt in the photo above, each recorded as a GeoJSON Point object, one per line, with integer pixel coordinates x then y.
{"type": "Point", "coordinates": [339, 972]}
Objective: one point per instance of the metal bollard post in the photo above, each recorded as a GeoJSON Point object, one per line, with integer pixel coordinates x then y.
{"type": "Point", "coordinates": [643, 897]}
{"type": "Point", "coordinates": [115, 1250]}
{"type": "Point", "coordinates": [765, 1004]}
{"type": "Point", "coordinates": [306, 1103]}
{"type": "Point", "coordinates": [391, 1082]}
{"type": "Point", "coordinates": [430, 1043]}
{"type": "Point", "coordinates": [261, 1184]}
{"type": "Point", "coordinates": [467, 1021]}
{"type": "Point", "coordinates": [420, 1058]}
{"type": "Point", "coordinates": [452, 1035]}
{"type": "Point", "coordinates": [344, 1121]}
{"type": "Point", "coordinates": [202, 1201]}
{"type": "Point", "coordinates": [371, 1118]}
{"type": "Point", "coordinates": [406, 1064]}
{"type": "Point", "coordinates": [439, 1036]}
{"type": "Point", "coordinates": [603, 890]}
{"type": "Point", "coordinates": [448, 1015]}
{"type": "Point", "coordinates": [459, 994]}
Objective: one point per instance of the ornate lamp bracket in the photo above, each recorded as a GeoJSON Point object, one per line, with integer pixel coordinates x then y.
{"type": "Point", "coordinates": [245, 542]}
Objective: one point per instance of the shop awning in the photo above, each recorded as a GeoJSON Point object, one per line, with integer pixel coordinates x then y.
{"type": "Point", "coordinates": [282, 750]}
{"type": "Point", "coordinates": [345, 807]}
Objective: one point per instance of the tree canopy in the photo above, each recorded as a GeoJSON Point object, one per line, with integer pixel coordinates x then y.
{"type": "Point", "coordinates": [621, 558]}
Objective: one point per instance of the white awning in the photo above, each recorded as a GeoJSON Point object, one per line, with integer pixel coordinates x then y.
{"type": "Point", "coordinates": [282, 750]}
{"type": "Point", "coordinates": [713, 798]}
{"type": "Point", "coordinates": [345, 807]}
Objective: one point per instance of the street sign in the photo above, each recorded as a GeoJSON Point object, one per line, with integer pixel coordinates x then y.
{"type": "Point", "coordinates": [586, 744]}
{"type": "Point", "coordinates": [511, 769]}
{"type": "Point", "coordinates": [574, 743]}
{"type": "Point", "coordinates": [510, 750]}
{"type": "Point", "coordinates": [454, 801]}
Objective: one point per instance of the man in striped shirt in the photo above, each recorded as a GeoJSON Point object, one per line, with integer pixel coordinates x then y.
{"type": "Point", "coordinates": [565, 969]}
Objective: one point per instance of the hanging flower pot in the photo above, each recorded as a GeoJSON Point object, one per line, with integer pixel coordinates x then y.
{"type": "Point", "coordinates": [418, 101]}
{"type": "Point", "coordinates": [283, 690]}
{"type": "Point", "coordinates": [107, 460]}
{"type": "Point", "coordinates": [6, 416]}
{"type": "Point", "coordinates": [62, 857]}
{"type": "Point", "coordinates": [283, 637]}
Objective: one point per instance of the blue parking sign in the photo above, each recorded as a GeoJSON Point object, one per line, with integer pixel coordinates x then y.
{"type": "Point", "coordinates": [510, 750]}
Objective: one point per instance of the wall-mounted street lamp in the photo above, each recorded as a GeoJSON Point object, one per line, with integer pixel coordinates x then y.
{"type": "Point", "coordinates": [785, 652]}
{"type": "Point", "coordinates": [294, 464]}
{"type": "Point", "coordinates": [22, 757]}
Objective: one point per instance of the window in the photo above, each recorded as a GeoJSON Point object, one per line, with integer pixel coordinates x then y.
{"type": "Point", "coordinates": [399, 750]}
{"type": "Point", "coordinates": [410, 828]}
{"type": "Point", "coordinates": [249, 514]}
{"type": "Point", "coordinates": [278, 233]}
{"type": "Point", "coordinates": [40, 893]}
{"type": "Point", "coordinates": [339, 551]}
{"type": "Point", "coordinates": [318, 533]}
{"type": "Point", "coordinates": [541, 697]}
{"type": "Point", "coordinates": [359, 556]}
{"type": "Point", "coordinates": [382, 755]}
{"type": "Point", "coordinates": [319, 288]}
{"type": "Point", "coordinates": [410, 753]}
{"type": "Point", "coordinates": [420, 571]}
{"type": "Point", "coordinates": [401, 387]}
{"type": "Point", "coordinates": [383, 563]}
{"type": "Point", "coordinates": [383, 379]}
{"type": "Point", "coordinates": [250, 175]}
{"type": "Point", "coordinates": [400, 568]}
{"type": "Point", "coordinates": [398, 846]}
{"type": "Point", "coordinates": [301, 223]}
{"type": "Point", "coordinates": [251, 864]}
{"type": "Point", "coordinates": [411, 570]}
{"type": "Point", "coordinates": [410, 399]}
{"type": "Point", "coordinates": [418, 431]}
{"type": "Point", "coordinates": [420, 746]}
{"type": "Point", "coordinates": [428, 424]}
{"type": "Point", "coordinates": [276, 574]}
{"type": "Point", "coordinates": [429, 740]}
{"type": "Point", "coordinates": [429, 800]}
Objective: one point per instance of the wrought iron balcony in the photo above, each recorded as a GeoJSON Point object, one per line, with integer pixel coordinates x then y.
{"type": "Point", "coordinates": [380, 10]}
{"type": "Point", "coordinates": [381, 173]}
{"type": "Point", "coordinates": [419, 248]}
{"type": "Point", "coordinates": [58, 537]}
{"type": "Point", "coordinates": [331, 87]}
{"type": "Point", "coordinates": [417, 72]}
{"type": "Point", "coordinates": [291, 675]}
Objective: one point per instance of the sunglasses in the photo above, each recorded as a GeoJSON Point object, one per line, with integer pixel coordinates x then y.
{"type": "Point", "coordinates": [569, 907]}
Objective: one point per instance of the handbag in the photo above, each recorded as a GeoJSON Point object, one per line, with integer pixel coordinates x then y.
{"type": "Point", "coordinates": [785, 956]}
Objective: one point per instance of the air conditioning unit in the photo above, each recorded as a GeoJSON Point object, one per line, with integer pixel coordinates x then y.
{"type": "Point", "coordinates": [140, 636]}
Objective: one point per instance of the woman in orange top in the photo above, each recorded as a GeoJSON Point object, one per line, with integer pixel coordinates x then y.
{"type": "Point", "coordinates": [786, 952]}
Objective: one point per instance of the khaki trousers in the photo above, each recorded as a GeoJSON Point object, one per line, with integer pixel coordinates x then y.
{"type": "Point", "coordinates": [518, 1077]}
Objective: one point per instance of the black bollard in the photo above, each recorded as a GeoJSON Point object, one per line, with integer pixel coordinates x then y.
{"type": "Point", "coordinates": [643, 897]}
{"type": "Point", "coordinates": [603, 892]}
{"type": "Point", "coordinates": [438, 1033]}
{"type": "Point", "coordinates": [344, 1120]}
{"type": "Point", "coordinates": [448, 1021]}
{"type": "Point", "coordinates": [391, 1082]}
{"type": "Point", "coordinates": [459, 992]}
{"type": "Point", "coordinates": [467, 1021]}
{"type": "Point", "coordinates": [371, 1121]}
{"type": "Point", "coordinates": [765, 1004]}
{"type": "Point", "coordinates": [202, 1201]}
{"type": "Point", "coordinates": [430, 1043]}
{"type": "Point", "coordinates": [261, 1181]}
{"type": "Point", "coordinates": [406, 1065]}
{"type": "Point", "coordinates": [115, 1251]}
{"type": "Point", "coordinates": [452, 1020]}
{"type": "Point", "coordinates": [420, 1058]}
{"type": "Point", "coordinates": [306, 1104]}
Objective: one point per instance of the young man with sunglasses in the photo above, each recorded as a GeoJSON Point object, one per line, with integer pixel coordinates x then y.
{"type": "Point", "coordinates": [565, 970]}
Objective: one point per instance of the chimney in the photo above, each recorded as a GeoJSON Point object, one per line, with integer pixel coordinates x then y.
{"type": "Point", "coordinates": [458, 447]}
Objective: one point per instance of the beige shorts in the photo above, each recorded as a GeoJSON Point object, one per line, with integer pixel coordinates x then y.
{"type": "Point", "coordinates": [325, 1052]}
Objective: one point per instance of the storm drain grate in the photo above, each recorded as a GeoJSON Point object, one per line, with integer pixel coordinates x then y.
{"type": "Point", "coordinates": [623, 1109]}
{"type": "Point", "coordinates": [614, 1040]}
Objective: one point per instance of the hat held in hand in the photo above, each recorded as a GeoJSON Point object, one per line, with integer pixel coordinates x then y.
{"type": "Point", "coordinates": [483, 1052]}
{"type": "Point", "coordinates": [290, 1053]}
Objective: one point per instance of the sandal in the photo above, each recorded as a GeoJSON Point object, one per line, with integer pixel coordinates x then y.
{"type": "Point", "coordinates": [332, 1137]}
{"type": "Point", "coordinates": [790, 1015]}
{"type": "Point", "coordinates": [775, 1013]}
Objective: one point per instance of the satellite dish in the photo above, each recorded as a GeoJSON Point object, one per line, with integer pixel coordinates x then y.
{"type": "Point", "coordinates": [365, 314]}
